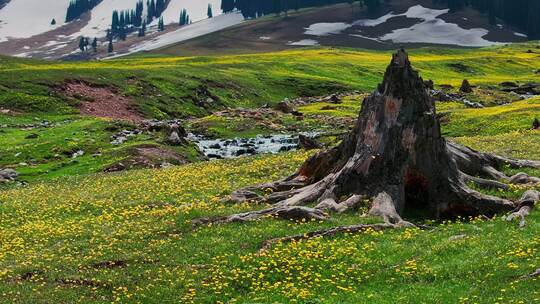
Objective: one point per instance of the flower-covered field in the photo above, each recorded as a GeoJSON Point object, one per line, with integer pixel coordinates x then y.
{"type": "Point", "coordinates": [127, 238]}
{"type": "Point", "coordinates": [76, 236]}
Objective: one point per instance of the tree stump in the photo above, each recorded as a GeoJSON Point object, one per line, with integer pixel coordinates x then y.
{"type": "Point", "coordinates": [396, 158]}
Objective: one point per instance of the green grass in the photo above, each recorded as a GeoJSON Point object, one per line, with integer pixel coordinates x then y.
{"type": "Point", "coordinates": [127, 237]}
{"type": "Point", "coordinates": [58, 232]}
{"type": "Point", "coordinates": [172, 86]}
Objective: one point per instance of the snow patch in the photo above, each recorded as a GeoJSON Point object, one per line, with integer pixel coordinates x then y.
{"type": "Point", "coordinates": [304, 42]}
{"type": "Point", "coordinates": [431, 29]}
{"type": "Point", "coordinates": [27, 18]}
{"type": "Point", "coordinates": [191, 31]}
{"type": "Point", "coordinates": [437, 31]}
{"type": "Point", "coordinates": [325, 29]}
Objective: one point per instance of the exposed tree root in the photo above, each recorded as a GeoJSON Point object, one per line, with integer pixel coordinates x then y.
{"type": "Point", "coordinates": [525, 206]}
{"type": "Point", "coordinates": [326, 233]}
{"type": "Point", "coordinates": [532, 275]}
{"type": "Point", "coordinates": [282, 212]}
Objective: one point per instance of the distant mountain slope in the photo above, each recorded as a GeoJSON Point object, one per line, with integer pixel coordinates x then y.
{"type": "Point", "coordinates": [27, 28]}
{"type": "Point", "coordinates": [400, 22]}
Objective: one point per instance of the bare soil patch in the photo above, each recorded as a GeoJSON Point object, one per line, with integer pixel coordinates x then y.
{"type": "Point", "coordinates": [100, 101]}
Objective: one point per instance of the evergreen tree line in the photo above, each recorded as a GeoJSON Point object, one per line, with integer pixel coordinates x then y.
{"type": "Point", "coordinates": [78, 7]}
{"type": "Point", "coordinates": [155, 9]}
{"type": "Point", "coordinates": [128, 20]}
{"type": "Point", "coordinates": [84, 44]}
{"type": "Point", "coordinates": [257, 8]}
{"type": "Point", "coordinates": [184, 18]}
{"type": "Point", "coordinates": [523, 14]}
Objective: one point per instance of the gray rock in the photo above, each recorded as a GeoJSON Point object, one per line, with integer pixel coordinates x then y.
{"type": "Point", "coordinates": [8, 174]}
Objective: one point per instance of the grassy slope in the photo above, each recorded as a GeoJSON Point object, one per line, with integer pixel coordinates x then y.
{"type": "Point", "coordinates": [57, 235]}
{"type": "Point", "coordinates": [170, 86]}
{"type": "Point", "coordinates": [163, 86]}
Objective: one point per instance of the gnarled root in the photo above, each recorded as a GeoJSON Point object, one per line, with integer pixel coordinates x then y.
{"type": "Point", "coordinates": [525, 206]}
{"type": "Point", "coordinates": [384, 205]}
{"type": "Point", "coordinates": [474, 163]}
{"type": "Point", "coordinates": [532, 275]}
{"type": "Point", "coordinates": [330, 204]}
{"type": "Point", "coordinates": [326, 233]}
{"type": "Point", "coordinates": [282, 212]}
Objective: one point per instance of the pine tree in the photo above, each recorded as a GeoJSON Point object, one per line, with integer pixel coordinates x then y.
{"type": "Point", "coordinates": [53, 22]}
{"type": "Point", "coordinates": [81, 44]}
{"type": "Point", "coordinates": [227, 6]}
{"type": "Point", "coordinates": [184, 18]}
{"type": "Point", "coordinates": [110, 48]}
{"type": "Point", "coordinates": [161, 24]}
{"type": "Point", "coordinates": [94, 45]}
{"type": "Point", "coordinates": [209, 12]}
{"type": "Point", "coordinates": [142, 30]}
{"type": "Point", "coordinates": [160, 7]}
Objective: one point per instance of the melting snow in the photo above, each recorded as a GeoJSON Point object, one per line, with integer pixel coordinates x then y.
{"type": "Point", "coordinates": [304, 42]}
{"type": "Point", "coordinates": [191, 31]}
{"type": "Point", "coordinates": [26, 18]}
{"type": "Point", "coordinates": [437, 31]}
{"type": "Point", "coordinates": [430, 29]}
{"type": "Point", "coordinates": [325, 29]}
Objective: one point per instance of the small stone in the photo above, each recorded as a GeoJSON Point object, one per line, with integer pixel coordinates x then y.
{"type": "Point", "coordinates": [8, 174]}
{"type": "Point", "coordinates": [457, 237]}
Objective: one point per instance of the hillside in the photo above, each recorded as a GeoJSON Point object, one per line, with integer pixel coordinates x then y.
{"type": "Point", "coordinates": [198, 89]}
{"type": "Point", "coordinates": [84, 223]}
{"type": "Point", "coordinates": [47, 31]}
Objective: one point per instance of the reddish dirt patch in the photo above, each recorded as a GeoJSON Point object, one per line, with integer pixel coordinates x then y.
{"type": "Point", "coordinates": [102, 102]}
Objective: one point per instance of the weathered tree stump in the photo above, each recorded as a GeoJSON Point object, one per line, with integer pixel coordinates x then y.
{"type": "Point", "coordinates": [396, 158]}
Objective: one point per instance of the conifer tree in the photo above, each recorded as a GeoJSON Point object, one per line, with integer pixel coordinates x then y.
{"type": "Point", "coordinates": [184, 18]}
{"type": "Point", "coordinates": [161, 24]}
{"type": "Point", "coordinates": [81, 44]}
{"type": "Point", "coordinates": [94, 45]}
{"type": "Point", "coordinates": [53, 22]}
{"type": "Point", "coordinates": [110, 48]}
{"type": "Point", "coordinates": [209, 12]}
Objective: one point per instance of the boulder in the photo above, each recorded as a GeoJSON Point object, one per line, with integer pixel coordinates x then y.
{"type": "Point", "coordinates": [176, 135]}
{"type": "Point", "coordinates": [466, 86]}
{"type": "Point", "coordinates": [334, 99]}
{"type": "Point", "coordinates": [284, 106]}
{"type": "Point", "coordinates": [8, 175]}
{"type": "Point", "coordinates": [508, 84]}
{"type": "Point", "coordinates": [307, 143]}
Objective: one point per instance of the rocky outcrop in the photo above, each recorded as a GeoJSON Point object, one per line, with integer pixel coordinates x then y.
{"type": "Point", "coordinates": [7, 175]}
{"type": "Point", "coordinates": [524, 89]}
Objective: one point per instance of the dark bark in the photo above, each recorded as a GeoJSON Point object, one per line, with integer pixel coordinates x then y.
{"type": "Point", "coordinates": [396, 157]}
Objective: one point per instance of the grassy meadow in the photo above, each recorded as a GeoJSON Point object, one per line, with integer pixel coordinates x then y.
{"type": "Point", "coordinates": [74, 235]}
